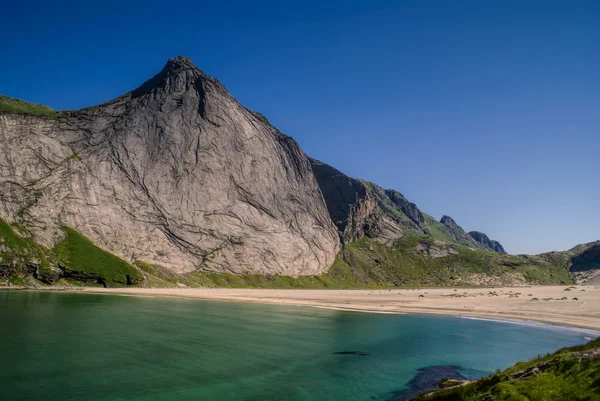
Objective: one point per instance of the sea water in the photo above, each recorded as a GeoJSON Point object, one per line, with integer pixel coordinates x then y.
{"type": "Point", "coordinates": [67, 346]}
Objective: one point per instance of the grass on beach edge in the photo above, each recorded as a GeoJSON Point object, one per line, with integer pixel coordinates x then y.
{"type": "Point", "coordinates": [567, 374]}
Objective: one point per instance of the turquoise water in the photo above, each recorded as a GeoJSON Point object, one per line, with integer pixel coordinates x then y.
{"type": "Point", "coordinates": [65, 347]}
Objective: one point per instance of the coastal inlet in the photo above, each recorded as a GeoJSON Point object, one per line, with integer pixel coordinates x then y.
{"type": "Point", "coordinates": [64, 346]}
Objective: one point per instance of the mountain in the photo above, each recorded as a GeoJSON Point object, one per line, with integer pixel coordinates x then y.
{"type": "Point", "coordinates": [487, 243]}
{"type": "Point", "coordinates": [176, 183]}
{"type": "Point", "coordinates": [360, 208]}
{"type": "Point", "coordinates": [174, 173]}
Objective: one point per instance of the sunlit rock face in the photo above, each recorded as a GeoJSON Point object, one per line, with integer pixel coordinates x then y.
{"type": "Point", "coordinates": [175, 173]}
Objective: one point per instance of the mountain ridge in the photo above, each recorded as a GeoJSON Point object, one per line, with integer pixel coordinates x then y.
{"type": "Point", "coordinates": [361, 208]}
{"type": "Point", "coordinates": [180, 180]}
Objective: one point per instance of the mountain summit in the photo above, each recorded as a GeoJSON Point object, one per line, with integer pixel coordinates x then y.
{"type": "Point", "coordinates": [176, 183]}
{"type": "Point", "coordinates": [174, 173]}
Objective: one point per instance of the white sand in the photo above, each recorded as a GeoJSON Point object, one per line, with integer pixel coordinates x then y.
{"type": "Point", "coordinates": [475, 302]}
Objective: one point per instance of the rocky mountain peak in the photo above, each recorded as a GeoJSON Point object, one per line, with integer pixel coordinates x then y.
{"type": "Point", "coordinates": [175, 173]}
{"type": "Point", "coordinates": [447, 220]}
{"type": "Point", "coordinates": [179, 63]}
{"type": "Point", "coordinates": [178, 74]}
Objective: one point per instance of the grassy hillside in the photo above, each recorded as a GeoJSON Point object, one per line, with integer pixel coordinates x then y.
{"type": "Point", "coordinates": [437, 229]}
{"type": "Point", "coordinates": [84, 261]}
{"type": "Point", "coordinates": [569, 374]}
{"type": "Point", "coordinates": [75, 259]}
{"type": "Point", "coordinates": [369, 264]}
{"type": "Point", "coordinates": [11, 105]}
{"type": "Point", "coordinates": [20, 256]}
{"type": "Point", "coordinates": [412, 261]}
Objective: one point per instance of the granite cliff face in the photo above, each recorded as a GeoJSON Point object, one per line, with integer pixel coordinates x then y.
{"type": "Point", "coordinates": [175, 173]}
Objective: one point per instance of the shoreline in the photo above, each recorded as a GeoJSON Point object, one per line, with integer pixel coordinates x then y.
{"type": "Point", "coordinates": [544, 304]}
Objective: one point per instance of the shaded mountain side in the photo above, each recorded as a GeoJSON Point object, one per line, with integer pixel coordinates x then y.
{"type": "Point", "coordinates": [360, 208]}
{"type": "Point", "coordinates": [584, 262]}
{"type": "Point", "coordinates": [174, 173]}
{"type": "Point", "coordinates": [473, 239]}
{"type": "Point", "coordinates": [586, 259]}
{"type": "Point", "coordinates": [457, 233]}
{"type": "Point", "coordinates": [487, 243]}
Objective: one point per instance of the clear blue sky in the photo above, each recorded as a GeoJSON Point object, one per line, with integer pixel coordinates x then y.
{"type": "Point", "coordinates": [488, 111]}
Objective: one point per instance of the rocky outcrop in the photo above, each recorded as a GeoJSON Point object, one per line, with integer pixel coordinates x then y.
{"type": "Point", "coordinates": [360, 208]}
{"type": "Point", "coordinates": [175, 173]}
{"type": "Point", "coordinates": [473, 239]}
{"type": "Point", "coordinates": [586, 257]}
{"type": "Point", "coordinates": [486, 242]}
{"type": "Point", "coordinates": [349, 206]}
{"type": "Point", "coordinates": [458, 235]}
{"type": "Point", "coordinates": [584, 263]}
{"type": "Point", "coordinates": [437, 249]}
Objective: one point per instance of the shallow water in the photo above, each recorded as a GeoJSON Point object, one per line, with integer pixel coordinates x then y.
{"type": "Point", "coordinates": [59, 346]}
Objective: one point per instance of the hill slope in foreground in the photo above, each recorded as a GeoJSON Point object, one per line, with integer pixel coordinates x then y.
{"type": "Point", "coordinates": [176, 183]}
{"type": "Point", "coordinates": [569, 374]}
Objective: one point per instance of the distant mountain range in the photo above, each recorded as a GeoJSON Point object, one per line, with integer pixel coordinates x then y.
{"type": "Point", "coordinates": [176, 183]}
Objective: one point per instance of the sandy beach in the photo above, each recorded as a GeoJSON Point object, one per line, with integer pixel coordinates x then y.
{"type": "Point", "coordinates": [574, 306]}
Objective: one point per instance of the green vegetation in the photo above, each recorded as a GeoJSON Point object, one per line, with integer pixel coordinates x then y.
{"type": "Point", "coordinates": [19, 254]}
{"type": "Point", "coordinates": [409, 262]}
{"type": "Point", "coordinates": [69, 282]}
{"type": "Point", "coordinates": [11, 105]}
{"type": "Point", "coordinates": [24, 262]}
{"type": "Point", "coordinates": [369, 264]}
{"type": "Point", "coordinates": [10, 238]}
{"type": "Point", "coordinates": [84, 261]}
{"type": "Point", "coordinates": [437, 229]}
{"type": "Point", "coordinates": [338, 277]}
{"type": "Point", "coordinates": [568, 374]}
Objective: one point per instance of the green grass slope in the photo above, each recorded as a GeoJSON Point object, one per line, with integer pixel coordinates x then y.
{"type": "Point", "coordinates": [409, 262]}
{"type": "Point", "coordinates": [437, 229]}
{"type": "Point", "coordinates": [369, 264]}
{"type": "Point", "coordinates": [412, 261]}
{"type": "Point", "coordinates": [84, 261]}
{"type": "Point", "coordinates": [75, 261]}
{"type": "Point", "coordinates": [20, 256]}
{"type": "Point", "coordinates": [569, 374]}
{"type": "Point", "coordinates": [16, 106]}
{"type": "Point", "coordinates": [339, 276]}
